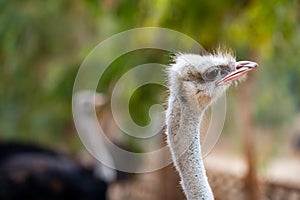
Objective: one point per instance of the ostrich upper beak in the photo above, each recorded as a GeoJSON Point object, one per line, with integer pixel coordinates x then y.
{"type": "Point", "coordinates": [241, 68]}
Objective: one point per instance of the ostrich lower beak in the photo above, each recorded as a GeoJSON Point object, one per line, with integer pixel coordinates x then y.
{"type": "Point", "coordinates": [241, 68]}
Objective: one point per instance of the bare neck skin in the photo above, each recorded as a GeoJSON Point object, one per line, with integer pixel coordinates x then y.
{"type": "Point", "coordinates": [183, 135]}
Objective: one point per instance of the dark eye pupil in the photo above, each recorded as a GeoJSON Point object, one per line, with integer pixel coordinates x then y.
{"type": "Point", "coordinates": [212, 74]}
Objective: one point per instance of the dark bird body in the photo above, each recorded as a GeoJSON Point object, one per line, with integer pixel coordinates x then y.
{"type": "Point", "coordinates": [32, 172]}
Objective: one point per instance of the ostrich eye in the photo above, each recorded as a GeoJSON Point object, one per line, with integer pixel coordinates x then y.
{"type": "Point", "coordinates": [211, 74]}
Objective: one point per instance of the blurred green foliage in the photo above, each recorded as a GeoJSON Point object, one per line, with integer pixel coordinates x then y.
{"type": "Point", "coordinates": [44, 42]}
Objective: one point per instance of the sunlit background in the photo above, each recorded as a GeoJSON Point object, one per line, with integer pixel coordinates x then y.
{"type": "Point", "coordinates": [44, 42]}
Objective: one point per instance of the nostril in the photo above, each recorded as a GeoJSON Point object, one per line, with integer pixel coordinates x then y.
{"type": "Point", "coordinates": [241, 64]}
{"type": "Point", "coordinates": [245, 65]}
{"type": "Point", "coordinates": [238, 67]}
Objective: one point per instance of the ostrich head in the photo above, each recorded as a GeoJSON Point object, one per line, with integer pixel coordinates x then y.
{"type": "Point", "coordinates": [85, 101]}
{"type": "Point", "coordinates": [201, 79]}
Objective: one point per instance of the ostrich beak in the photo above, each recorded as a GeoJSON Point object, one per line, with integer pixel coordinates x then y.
{"type": "Point", "coordinates": [241, 68]}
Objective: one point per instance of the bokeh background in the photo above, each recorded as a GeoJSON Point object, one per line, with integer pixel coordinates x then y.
{"type": "Point", "coordinates": [44, 42]}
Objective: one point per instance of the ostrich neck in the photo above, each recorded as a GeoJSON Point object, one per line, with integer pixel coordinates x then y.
{"type": "Point", "coordinates": [95, 141]}
{"type": "Point", "coordinates": [183, 133]}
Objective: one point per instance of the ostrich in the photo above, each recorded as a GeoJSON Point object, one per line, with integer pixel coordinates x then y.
{"type": "Point", "coordinates": [83, 103]}
{"type": "Point", "coordinates": [28, 171]}
{"type": "Point", "coordinates": [195, 82]}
